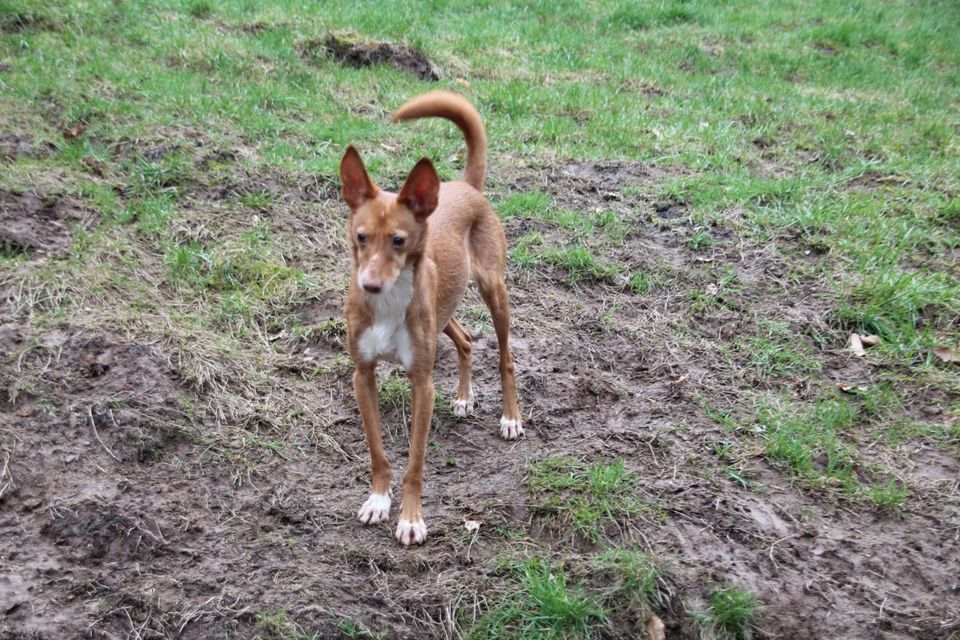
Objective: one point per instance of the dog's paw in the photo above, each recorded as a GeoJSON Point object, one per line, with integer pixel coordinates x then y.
{"type": "Point", "coordinates": [510, 429]}
{"type": "Point", "coordinates": [375, 509]}
{"type": "Point", "coordinates": [411, 532]}
{"type": "Point", "coordinates": [463, 408]}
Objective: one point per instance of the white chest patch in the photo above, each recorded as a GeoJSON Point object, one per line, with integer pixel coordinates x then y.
{"type": "Point", "coordinates": [387, 338]}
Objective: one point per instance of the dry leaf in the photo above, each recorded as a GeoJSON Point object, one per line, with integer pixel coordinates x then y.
{"type": "Point", "coordinates": [855, 344]}
{"type": "Point", "coordinates": [870, 341]}
{"type": "Point", "coordinates": [850, 388]}
{"type": "Point", "coordinates": [74, 131]}
{"type": "Point", "coordinates": [947, 354]}
{"type": "Point", "coordinates": [463, 83]}
{"type": "Point", "coordinates": [472, 525]}
{"type": "Point", "coordinates": [655, 628]}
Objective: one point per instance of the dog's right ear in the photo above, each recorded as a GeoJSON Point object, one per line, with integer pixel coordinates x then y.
{"type": "Point", "coordinates": [357, 187]}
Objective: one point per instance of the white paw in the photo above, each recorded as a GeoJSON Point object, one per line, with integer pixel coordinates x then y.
{"type": "Point", "coordinates": [463, 408]}
{"type": "Point", "coordinates": [411, 532]}
{"type": "Point", "coordinates": [510, 429]}
{"type": "Point", "coordinates": [375, 509]}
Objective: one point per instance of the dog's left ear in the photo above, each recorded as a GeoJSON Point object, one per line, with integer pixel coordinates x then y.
{"type": "Point", "coordinates": [421, 191]}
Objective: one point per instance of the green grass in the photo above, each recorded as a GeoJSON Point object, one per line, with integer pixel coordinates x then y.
{"type": "Point", "coordinates": [590, 499]}
{"type": "Point", "coordinates": [816, 444]}
{"type": "Point", "coordinates": [543, 605]}
{"type": "Point", "coordinates": [732, 615]}
{"type": "Point", "coordinates": [580, 264]}
{"type": "Point", "coordinates": [891, 303]}
{"type": "Point", "coordinates": [776, 349]}
{"type": "Point", "coordinates": [634, 582]}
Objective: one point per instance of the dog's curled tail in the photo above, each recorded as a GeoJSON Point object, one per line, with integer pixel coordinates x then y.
{"type": "Point", "coordinates": [457, 109]}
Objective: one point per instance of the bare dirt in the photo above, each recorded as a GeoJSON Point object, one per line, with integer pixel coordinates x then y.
{"type": "Point", "coordinates": [353, 51]}
{"type": "Point", "coordinates": [129, 508]}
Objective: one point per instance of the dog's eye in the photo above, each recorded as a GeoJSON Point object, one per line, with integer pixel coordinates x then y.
{"type": "Point", "coordinates": [398, 241]}
{"type": "Point", "coordinates": [361, 238]}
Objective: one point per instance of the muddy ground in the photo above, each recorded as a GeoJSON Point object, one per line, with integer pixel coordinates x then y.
{"type": "Point", "coordinates": [133, 504]}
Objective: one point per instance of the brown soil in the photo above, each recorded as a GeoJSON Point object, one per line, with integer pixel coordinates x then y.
{"type": "Point", "coordinates": [133, 504]}
{"type": "Point", "coordinates": [30, 223]}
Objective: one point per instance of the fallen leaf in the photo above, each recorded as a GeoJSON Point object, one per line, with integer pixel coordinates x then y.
{"type": "Point", "coordinates": [870, 341]}
{"type": "Point", "coordinates": [947, 354]}
{"type": "Point", "coordinates": [472, 525]}
{"type": "Point", "coordinates": [463, 83]}
{"type": "Point", "coordinates": [851, 388]}
{"type": "Point", "coordinates": [855, 344]}
{"type": "Point", "coordinates": [655, 628]}
{"type": "Point", "coordinates": [74, 131]}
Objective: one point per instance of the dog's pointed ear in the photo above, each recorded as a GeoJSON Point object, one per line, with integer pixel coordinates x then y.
{"type": "Point", "coordinates": [357, 187]}
{"type": "Point", "coordinates": [421, 191]}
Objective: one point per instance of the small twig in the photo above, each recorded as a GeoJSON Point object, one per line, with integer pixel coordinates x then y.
{"type": "Point", "coordinates": [476, 534]}
{"type": "Point", "coordinates": [5, 472]}
{"type": "Point", "coordinates": [93, 423]}
{"type": "Point", "coordinates": [770, 552]}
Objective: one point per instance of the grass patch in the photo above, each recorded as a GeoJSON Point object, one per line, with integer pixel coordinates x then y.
{"type": "Point", "coordinates": [812, 442]}
{"type": "Point", "coordinates": [776, 350]}
{"type": "Point", "coordinates": [732, 614]}
{"type": "Point", "coordinates": [580, 264]}
{"type": "Point", "coordinates": [898, 306]}
{"type": "Point", "coordinates": [589, 498]}
{"type": "Point", "coordinates": [544, 605]}
{"type": "Point", "coordinates": [524, 205]}
{"type": "Point", "coordinates": [634, 583]}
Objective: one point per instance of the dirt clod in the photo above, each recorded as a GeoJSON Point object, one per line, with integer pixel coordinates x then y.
{"type": "Point", "coordinates": [357, 52]}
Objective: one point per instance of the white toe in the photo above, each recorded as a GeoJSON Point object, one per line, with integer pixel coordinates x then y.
{"type": "Point", "coordinates": [510, 429]}
{"type": "Point", "coordinates": [411, 532]}
{"type": "Point", "coordinates": [463, 408]}
{"type": "Point", "coordinates": [375, 509]}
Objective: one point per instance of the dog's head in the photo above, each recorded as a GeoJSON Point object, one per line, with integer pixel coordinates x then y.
{"type": "Point", "coordinates": [386, 231]}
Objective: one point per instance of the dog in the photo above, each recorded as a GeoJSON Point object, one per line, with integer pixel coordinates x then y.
{"type": "Point", "coordinates": [413, 254]}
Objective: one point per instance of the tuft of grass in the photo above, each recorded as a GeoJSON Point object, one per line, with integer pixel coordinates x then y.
{"type": "Point", "coordinates": [635, 583]}
{"type": "Point", "coordinates": [776, 350]}
{"type": "Point", "coordinates": [732, 614]}
{"type": "Point", "coordinates": [200, 9]}
{"type": "Point", "coordinates": [524, 205]}
{"type": "Point", "coordinates": [810, 442]}
{"type": "Point", "coordinates": [642, 16]}
{"type": "Point", "coordinates": [524, 252]}
{"type": "Point", "coordinates": [394, 392]}
{"type": "Point", "coordinates": [276, 626]}
{"type": "Point", "coordinates": [543, 604]}
{"type": "Point", "coordinates": [700, 240]}
{"type": "Point", "coordinates": [580, 264]}
{"type": "Point", "coordinates": [590, 498]}
{"type": "Point", "coordinates": [888, 496]}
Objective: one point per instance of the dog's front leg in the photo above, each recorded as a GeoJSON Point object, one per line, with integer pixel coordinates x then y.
{"type": "Point", "coordinates": [377, 507]}
{"type": "Point", "coordinates": [411, 528]}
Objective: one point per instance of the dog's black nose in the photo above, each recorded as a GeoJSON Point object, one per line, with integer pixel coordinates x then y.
{"type": "Point", "coordinates": [372, 288]}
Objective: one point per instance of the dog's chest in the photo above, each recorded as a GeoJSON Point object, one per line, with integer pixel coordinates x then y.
{"type": "Point", "coordinates": [388, 338]}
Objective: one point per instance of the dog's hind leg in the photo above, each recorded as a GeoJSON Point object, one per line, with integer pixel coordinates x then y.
{"type": "Point", "coordinates": [463, 405]}
{"type": "Point", "coordinates": [488, 255]}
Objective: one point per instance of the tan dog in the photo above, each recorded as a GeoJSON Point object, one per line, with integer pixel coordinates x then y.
{"type": "Point", "coordinates": [413, 254]}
